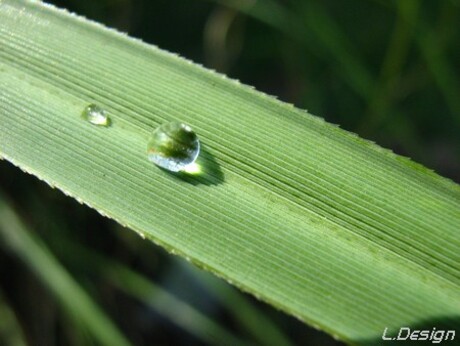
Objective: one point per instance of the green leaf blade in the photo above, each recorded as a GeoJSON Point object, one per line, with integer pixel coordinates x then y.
{"type": "Point", "coordinates": [322, 224]}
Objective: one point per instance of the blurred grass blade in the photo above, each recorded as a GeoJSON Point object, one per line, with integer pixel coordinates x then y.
{"type": "Point", "coordinates": [250, 319]}
{"type": "Point", "coordinates": [314, 220]}
{"type": "Point", "coordinates": [10, 330]}
{"type": "Point", "coordinates": [172, 308]}
{"type": "Point", "coordinates": [139, 287]}
{"type": "Point", "coordinates": [75, 301]}
{"type": "Point", "coordinates": [248, 316]}
{"type": "Point", "coordinates": [445, 75]}
{"type": "Point", "coordinates": [433, 50]}
{"type": "Point", "coordinates": [382, 97]}
{"type": "Point", "coordinates": [316, 31]}
{"type": "Point", "coordinates": [133, 284]}
{"type": "Point", "coordinates": [339, 49]}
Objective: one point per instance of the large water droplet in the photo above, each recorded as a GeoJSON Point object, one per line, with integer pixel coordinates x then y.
{"type": "Point", "coordinates": [96, 115]}
{"type": "Point", "coordinates": [173, 146]}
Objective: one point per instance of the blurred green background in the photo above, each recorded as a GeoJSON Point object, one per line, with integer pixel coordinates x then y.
{"type": "Point", "coordinates": [387, 70]}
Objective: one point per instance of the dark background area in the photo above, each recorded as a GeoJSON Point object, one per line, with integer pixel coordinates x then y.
{"type": "Point", "coordinates": [387, 70]}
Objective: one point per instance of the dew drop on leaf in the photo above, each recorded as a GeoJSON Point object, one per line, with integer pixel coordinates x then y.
{"type": "Point", "coordinates": [96, 115]}
{"type": "Point", "coordinates": [173, 146]}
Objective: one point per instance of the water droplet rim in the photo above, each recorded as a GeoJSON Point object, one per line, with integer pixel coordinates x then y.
{"type": "Point", "coordinates": [96, 115]}
{"type": "Point", "coordinates": [173, 146]}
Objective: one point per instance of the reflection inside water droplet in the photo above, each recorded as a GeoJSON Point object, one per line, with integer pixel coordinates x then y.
{"type": "Point", "coordinates": [173, 146]}
{"type": "Point", "coordinates": [96, 115]}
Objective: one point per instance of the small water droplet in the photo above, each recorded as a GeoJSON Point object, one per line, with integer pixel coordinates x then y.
{"type": "Point", "coordinates": [96, 115]}
{"type": "Point", "coordinates": [173, 146]}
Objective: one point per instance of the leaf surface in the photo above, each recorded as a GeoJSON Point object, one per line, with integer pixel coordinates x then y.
{"type": "Point", "coordinates": [324, 225]}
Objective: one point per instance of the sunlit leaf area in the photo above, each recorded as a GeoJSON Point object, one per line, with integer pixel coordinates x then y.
{"type": "Point", "coordinates": [323, 208]}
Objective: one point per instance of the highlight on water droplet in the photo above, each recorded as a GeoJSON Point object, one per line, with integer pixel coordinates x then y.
{"type": "Point", "coordinates": [173, 146]}
{"type": "Point", "coordinates": [193, 169]}
{"type": "Point", "coordinates": [96, 115]}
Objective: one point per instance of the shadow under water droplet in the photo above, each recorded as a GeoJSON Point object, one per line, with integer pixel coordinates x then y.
{"type": "Point", "coordinates": [208, 171]}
